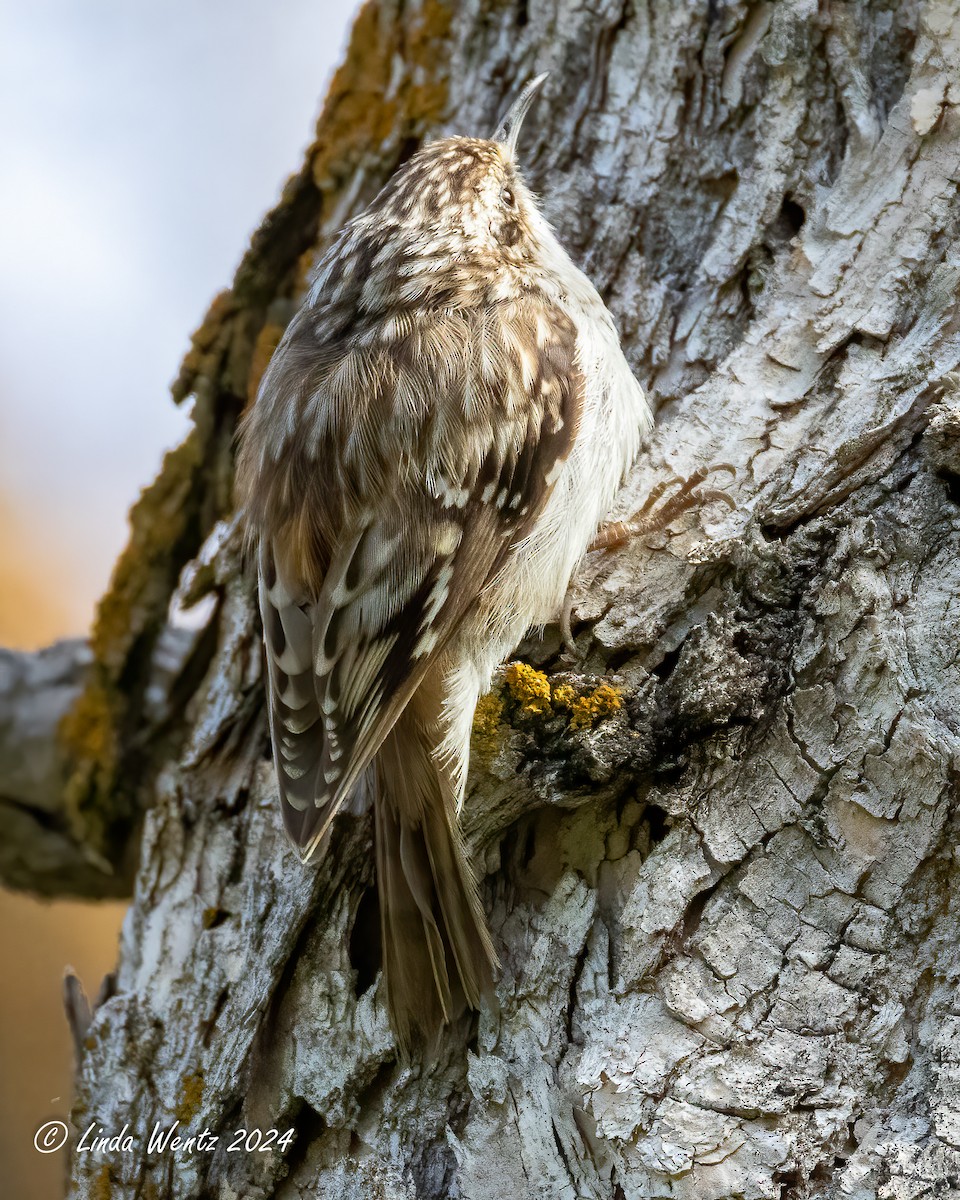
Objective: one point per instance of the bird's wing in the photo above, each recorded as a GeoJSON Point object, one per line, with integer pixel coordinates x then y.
{"type": "Point", "coordinates": [432, 459]}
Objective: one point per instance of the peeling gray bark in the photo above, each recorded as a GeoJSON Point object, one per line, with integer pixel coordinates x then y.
{"type": "Point", "coordinates": [728, 912]}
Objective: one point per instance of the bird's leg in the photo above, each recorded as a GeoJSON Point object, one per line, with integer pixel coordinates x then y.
{"type": "Point", "coordinates": [566, 633]}
{"type": "Point", "coordinates": [655, 516]}
{"type": "Point", "coordinates": [677, 496]}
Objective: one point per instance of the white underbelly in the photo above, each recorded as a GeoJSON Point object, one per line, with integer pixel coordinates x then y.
{"type": "Point", "coordinates": [531, 588]}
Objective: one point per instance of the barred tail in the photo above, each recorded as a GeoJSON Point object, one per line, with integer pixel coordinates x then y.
{"type": "Point", "coordinates": [437, 953]}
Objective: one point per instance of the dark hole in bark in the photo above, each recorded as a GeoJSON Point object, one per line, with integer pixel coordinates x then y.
{"type": "Point", "coordinates": [668, 769]}
{"type": "Point", "coordinates": [211, 1023]}
{"type": "Point", "coordinates": [952, 483]}
{"type": "Point", "coordinates": [364, 949]}
{"type": "Point", "coordinates": [619, 659]}
{"type": "Point", "coordinates": [790, 1180]}
{"type": "Point", "coordinates": [529, 847]}
{"type": "Point", "coordinates": [694, 912]}
{"type": "Point", "coordinates": [656, 820]}
{"type": "Point", "coordinates": [792, 214]}
{"type": "Point", "coordinates": [236, 867]}
{"type": "Point", "coordinates": [572, 995]}
{"type": "Point", "coordinates": [309, 1127]}
{"type": "Point", "coordinates": [664, 668]}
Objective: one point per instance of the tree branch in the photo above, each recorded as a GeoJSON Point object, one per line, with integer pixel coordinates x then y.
{"type": "Point", "coordinates": [39, 850]}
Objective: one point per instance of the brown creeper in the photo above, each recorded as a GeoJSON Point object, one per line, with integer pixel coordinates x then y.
{"type": "Point", "coordinates": [435, 442]}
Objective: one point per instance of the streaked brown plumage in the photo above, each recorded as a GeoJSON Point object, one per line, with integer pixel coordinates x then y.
{"type": "Point", "coordinates": [435, 441]}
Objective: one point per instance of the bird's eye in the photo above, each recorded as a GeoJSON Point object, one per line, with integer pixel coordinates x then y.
{"type": "Point", "coordinates": [507, 196]}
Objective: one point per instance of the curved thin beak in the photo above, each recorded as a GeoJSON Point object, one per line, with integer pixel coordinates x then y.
{"type": "Point", "coordinates": [509, 128]}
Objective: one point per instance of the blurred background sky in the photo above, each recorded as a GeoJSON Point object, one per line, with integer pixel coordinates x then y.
{"type": "Point", "coordinates": [141, 142]}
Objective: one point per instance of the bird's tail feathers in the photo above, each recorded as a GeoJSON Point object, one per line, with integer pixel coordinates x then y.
{"type": "Point", "coordinates": [437, 953]}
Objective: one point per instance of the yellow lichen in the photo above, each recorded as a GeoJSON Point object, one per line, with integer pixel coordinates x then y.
{"type": "Point", "coordinates": [301, 276]}
{"type": "Point", "coordinates": [365, 106]}
{"type": "Point", "coordinates": [102, 1186]}
{"type": "Point", "coordinates": [486, 724]}
{"type": "Point", "coordinates": [87, 728]}
{"type": "Point", "coordinates": [144, 575]}
{"type": "Point", "coordinates": [529, 687]}
{"type": "Point", "coordinates": [595, 706]}
{"type": "Point", "coordinates": [535, 695]}
{"type": "Point", "coordinates": [130, 613]}
{"type": "Point", "coordinates": [89, 732]}
{"type": "Point", "coordinates": [207, 345]}
{"type": "Point", "coordinates": [191, 1097]}
{"type": "Point", "coordinates": [587, 708]}
{"type": "Point", "coordinates": [425, 51]}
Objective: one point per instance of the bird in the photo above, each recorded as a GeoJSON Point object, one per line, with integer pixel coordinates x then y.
{"type": "Point", "coordinates": [437, 438]}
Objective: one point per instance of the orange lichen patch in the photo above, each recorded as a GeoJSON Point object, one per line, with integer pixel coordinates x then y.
{"type": "Point", "coordinates": [487, 720]}
{"type": "Point", "coordinates": [191, 1097]}
{"type": "Point", "coordinates": [586, 711]}
{"type": "Point", "coordinates": [88, 731]}
{"type": "Point", "coordinates": [355, 109]}
{"type": "Point", "coordinates": [267, 341]}
{"type": "Point", "coordinates": [357, 116]}
{"type": "Point", "coordinates": [133, 608]}
{"type": "Point", "coordinates": [529, 687]}
{"type": "Point", "coordinates": [535, 695]}
{"type": "Point", "coordinates": [157, 522]}
{"type": "Point", "coordinates": [207, 345]}
{"type": "Point", "coordinates": [101, 1187]}
{"type": "Point", "coordinates": [428, 97]}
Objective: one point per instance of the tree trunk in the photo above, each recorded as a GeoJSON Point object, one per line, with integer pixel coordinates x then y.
{"type": "Point", "coordinates": [718, 855]}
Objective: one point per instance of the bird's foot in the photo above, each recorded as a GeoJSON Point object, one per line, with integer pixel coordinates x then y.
{"type": "Point", "coordinates": [667, 501]}
{"type": "Point", "coordinates": [570, 652]}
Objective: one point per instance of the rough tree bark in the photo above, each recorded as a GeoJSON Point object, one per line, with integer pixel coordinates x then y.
{"type": "Point", "coordinates": [719, 855]}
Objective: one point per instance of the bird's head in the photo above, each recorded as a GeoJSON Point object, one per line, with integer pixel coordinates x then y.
{"type": "Point", "coordinates": [468, 189]}
{"type": "Point", "coordinates": [455, 227]}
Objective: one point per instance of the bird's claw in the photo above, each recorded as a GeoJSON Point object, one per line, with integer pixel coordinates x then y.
{"type": "Point", "coordinates": [655, 516]}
